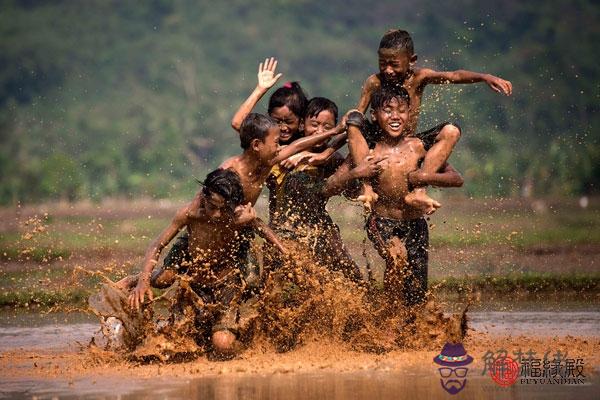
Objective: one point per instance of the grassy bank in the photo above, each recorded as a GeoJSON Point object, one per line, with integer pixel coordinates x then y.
{"type": "Point", "coordinates": [583, 287]}
{"type": "Point", "coordinates": [497, 246]}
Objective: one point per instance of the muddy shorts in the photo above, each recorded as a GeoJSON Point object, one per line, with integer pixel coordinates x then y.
{"type": "Point", "coordinates": [412, 275]}
{"type": "Point", "coordinates": [222, 304]}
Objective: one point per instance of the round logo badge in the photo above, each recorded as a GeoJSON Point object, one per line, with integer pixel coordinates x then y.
{"type": "Point", "coordinates": [504, 371]}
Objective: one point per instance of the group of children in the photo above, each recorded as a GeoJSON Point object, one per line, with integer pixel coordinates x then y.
{"type": "Point", "coordinates": [293, 151]}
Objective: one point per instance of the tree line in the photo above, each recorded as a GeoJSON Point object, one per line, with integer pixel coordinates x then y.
{"type": "Point", "coordinates": [112, 98]}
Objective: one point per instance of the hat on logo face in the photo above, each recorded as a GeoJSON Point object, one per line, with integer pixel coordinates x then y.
{"type": "Point", "coordinates": [453, 355]}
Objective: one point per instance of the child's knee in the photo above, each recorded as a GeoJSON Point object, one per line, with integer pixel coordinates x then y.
{"type": "Point", "coordinates": [449, 133]}
{"type": "Point", "coordinates": [224, 341]}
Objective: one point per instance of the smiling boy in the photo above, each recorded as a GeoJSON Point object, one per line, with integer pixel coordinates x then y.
{"type": "Point", "coordinates": [397, 67]}
{"type": "Point", "coordinates": [397, 229]}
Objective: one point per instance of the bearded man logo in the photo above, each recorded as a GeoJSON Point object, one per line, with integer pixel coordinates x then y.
{"type": "Point", "coordinates": [453, 372]}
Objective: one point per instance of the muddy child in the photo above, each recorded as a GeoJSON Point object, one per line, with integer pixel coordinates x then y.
{"type": "Point", "coordinates": [397, 67]}
{"type": "Point", "coordinates": [297, 188]}
{"type": "Point", "coordinates": [259, 138]}
{"type": "Point", "coordinates": [215, 255]}
{"type": "Point", "coordinates": [397, 229]}
{"type": "Point", "coordinates": [299, 195]}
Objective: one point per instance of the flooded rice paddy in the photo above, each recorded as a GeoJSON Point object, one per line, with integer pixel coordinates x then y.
{"type": "Point", "coordinates": [58, 339]}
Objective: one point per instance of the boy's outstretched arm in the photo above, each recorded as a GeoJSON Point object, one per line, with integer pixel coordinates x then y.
{"type": "Point", "coordinates": [337, 182]}
{"type": "Point", "coordinates": [307, 142]}
{"type": "Point", "coordinates": [266, 79]}
{"type": "Point", "coordinates": [314, 159]}
{"type": "Point", "coordinates": [463, 76]}
{"type": "Point", "coordinates": [245, 214]}
{"type": "Point", "coordinates": [267, 233]}
{"type": "Point", "coordinates": [136, 298]}
{"type": "Point", "coordinates": [371, 84]}
{"type": "Point", "coordinates": [446, 177]}
{"type": "Point", "coordinates": [337, 143]}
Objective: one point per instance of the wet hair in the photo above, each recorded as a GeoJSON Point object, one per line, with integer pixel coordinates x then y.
{"type": "Point", "coordinates": [290, 95]}
{"type": "Point", "coordinates": [255, 126]}
{"type": "Point", "coordinates": [397, 39]}
{"type": "Point", "coordinates": [384, 95]}
{"type": "Point", "coordinates": [226, 183]}
{"type": "Point", "coordinates": [318, 104]}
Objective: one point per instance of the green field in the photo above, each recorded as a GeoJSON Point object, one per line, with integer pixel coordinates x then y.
{"type": "Point", "coordinates": [49, 255]}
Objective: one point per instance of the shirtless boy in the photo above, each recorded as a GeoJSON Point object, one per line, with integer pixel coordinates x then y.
{"type": "Point", "coordinates": [259, 139]}
{"type": "Point", "coordinates": [397, 229]}
{"type": "Point", "coordinates": [213, 220]}
{"type": "Point", "coordinates": [397, 67]}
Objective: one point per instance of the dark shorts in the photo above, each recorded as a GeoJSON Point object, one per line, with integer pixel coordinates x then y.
{"type": "Point", "coordinates": [210, 308]}
{"type": "Point", "coordinates": [406, 280]}
{"type": "Point", "coordinates": [222, 299]}
{"type": "Point", "coordinates": [373, 134]}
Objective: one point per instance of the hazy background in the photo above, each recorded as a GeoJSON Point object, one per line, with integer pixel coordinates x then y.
{"type": "Point", "coordinates": [134, 99]}
{"type": "Point", "coordinates": [123, 103]}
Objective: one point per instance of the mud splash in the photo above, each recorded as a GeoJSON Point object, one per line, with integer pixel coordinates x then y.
{"type": "Point", "coordinates": [300, 301]}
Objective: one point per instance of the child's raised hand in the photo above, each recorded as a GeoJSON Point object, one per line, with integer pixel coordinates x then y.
{"type": "Point", "coordinates": [266, 73]}
{"type": "Point", "coordinates": [499, 85]}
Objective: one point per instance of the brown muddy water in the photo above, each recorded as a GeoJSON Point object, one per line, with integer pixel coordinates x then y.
{"type": "Point", "coordinates": [32, 332]}
{"type": "Point", "coordinates": [418, 383]}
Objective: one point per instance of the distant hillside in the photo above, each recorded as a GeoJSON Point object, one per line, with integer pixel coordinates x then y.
{"type": "Point", "coordinates": [102, 98]}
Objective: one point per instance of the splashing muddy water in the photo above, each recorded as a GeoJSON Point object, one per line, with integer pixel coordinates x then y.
{"type": "Point", "coordinates": [300, 301]}
{"type": "Point", "coordinates": [53, 360]}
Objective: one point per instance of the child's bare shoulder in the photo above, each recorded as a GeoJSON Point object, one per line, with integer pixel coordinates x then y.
{"type": "Point", "coordinates": [230, 163]}
{"type": "Point", "coordinates": [191, 210]}
{"type": "Point", "coordinates": [373, 82]}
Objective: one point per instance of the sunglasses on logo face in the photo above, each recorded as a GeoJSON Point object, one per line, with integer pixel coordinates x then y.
{"type": "Point", "coordinates": [447, 372]}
